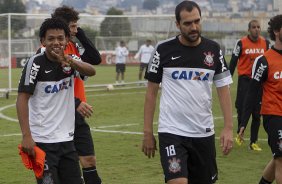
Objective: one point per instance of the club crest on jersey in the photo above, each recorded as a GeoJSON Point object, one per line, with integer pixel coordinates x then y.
{"type": "Point", "coordinates": [209, 59]}
{"type": "Point", "coordinates": [174, 165]}
{"type": "Point", "coordinates": [67, 69]}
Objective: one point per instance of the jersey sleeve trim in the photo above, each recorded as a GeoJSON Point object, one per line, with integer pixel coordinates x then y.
{"type": "Point", "coordinates": [223, 79]}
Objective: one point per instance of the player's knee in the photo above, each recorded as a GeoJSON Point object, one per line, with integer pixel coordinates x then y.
{"type": "Point", "coordinates": [87, 161]}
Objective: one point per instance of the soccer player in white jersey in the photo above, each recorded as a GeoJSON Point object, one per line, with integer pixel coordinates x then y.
{"type": "Point", "coordinates": [144, 54]}
{"type": "Point", "coordinates": [45, 104]}
{"type": "Point", "coordinates": [187, 65]}
{"type": "Point", "coordinates": [121, 53]}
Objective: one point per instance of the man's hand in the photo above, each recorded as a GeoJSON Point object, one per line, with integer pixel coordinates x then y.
{"type": "Point", "coordinates": [226, 140]}
{"type": "Point", "coordinates": [28, 145]}
{"type": "Point", "coordinates": [62, 58]}
{"type": "Point", "coordinates": [149, 145]}
{"type": "Point", "coordinates": [85, 109]}
{"type": "Point", "coordinates": [241, 133]}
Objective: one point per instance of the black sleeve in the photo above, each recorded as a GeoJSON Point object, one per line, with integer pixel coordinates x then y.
{"type": "Point", "coordinates": [235, 56]}
{"type": "Point", "coordinates": [154, 69]}
{"type": "Point", "coordinates": [91, 55]}
{"type": "Point", "coordinates": [268, 44]}
{"type": "Point", "coordinates": [77, 101]}
{"type": "Point", "coordinates": [254, 89]}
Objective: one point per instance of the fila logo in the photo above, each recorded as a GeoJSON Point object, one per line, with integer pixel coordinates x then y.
{"type": "Point", "coordinates": [33, 72]}
{"type": "Point", "coordinates": [173, 58]}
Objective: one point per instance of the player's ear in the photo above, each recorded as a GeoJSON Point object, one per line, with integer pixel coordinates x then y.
{"type": "Point", "coordinates": [42, 40]}
{"type": "Point", "coordinates": [177, 24]}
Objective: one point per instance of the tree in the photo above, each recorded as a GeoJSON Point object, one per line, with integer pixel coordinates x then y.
{"type": "Point", "coordinates": [14, 6]}
{"type": "Point", "coordinates": [151, 4]}
{"type": "Point", "coordinates": [115, 26]}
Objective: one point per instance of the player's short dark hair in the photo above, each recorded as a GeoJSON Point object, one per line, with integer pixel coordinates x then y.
{"type": "Point", "coordinates": [185, 5]}
{"type": "Point", "coordinates": [250, 23]}
{"type": "Point", "coordinates": [274, 24]}
{"type": "Point", "coordinates": [53, 23]}
{"type": "Point", "coordinates": [66, 13]}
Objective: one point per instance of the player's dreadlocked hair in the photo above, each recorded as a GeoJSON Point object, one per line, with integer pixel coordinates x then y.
{"type": "Point", "coordinates": [185, 5]}
{"type": "Point", "coordinates": [274, 24]}
{"type": "Point", "coordinates": [53, 23]}
{"type": "Point", "coordinates": [66, 13]}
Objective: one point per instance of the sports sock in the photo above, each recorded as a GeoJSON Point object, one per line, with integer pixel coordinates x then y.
{"type": "Point", "coordinates": [91, 176]}
{"type": "Point", "coordinates": [264, 181]}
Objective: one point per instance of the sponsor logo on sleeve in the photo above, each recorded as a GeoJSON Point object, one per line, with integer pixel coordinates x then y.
{"type": "Point", "coordinates": [221, 59]}
{"type": "Point", "coordinates": [236, 50]}
{"type": "Point", "coordinates": [259, 72]}
{"type": "Point", "coordinates": [155, 63]}
{"type": "Point", "coordinates": [33, 73]}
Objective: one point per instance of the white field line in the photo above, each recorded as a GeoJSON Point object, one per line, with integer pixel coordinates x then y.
{"type": "Point", "coordinates": [6, 117]}
{"type": "Point", "coordinates": [96, 129]}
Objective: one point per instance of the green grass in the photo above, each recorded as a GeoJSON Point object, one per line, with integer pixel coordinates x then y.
{"type": "Point", "coordinates": [119, 156]}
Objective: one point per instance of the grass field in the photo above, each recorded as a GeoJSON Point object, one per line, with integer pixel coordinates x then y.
{"type": "Point", "coordinates": [117, 126]}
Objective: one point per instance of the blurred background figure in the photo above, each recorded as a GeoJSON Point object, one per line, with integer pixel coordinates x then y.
{"type": "Point", "coordinates": [144, 54]}
{"type": "Point", "coordinates": [243, 56]}
{"type": "Point", "coordinates": [121, 53]}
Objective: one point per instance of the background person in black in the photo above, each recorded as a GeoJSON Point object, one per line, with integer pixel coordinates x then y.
{"type": "Point", "coordinates": [244, 54]}
{"type": "Point", "coordinates": [45, 104]}
{"type": "Point", "coordinates": [267, 73]}
{"type": "Point", "coordinates": [187, 65]}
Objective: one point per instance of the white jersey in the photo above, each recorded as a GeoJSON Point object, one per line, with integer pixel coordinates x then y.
{"type": "Point", "coordinates": [187, 75]}
{"type": "Point", "coordinates": [121, 54]}
{"type": "Point", "coordinates": [51, 106]}
{"type": "Point", "coordinates": [145, 53]}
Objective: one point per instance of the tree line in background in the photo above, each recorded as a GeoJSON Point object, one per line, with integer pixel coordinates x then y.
{"type": "Point", "coordinates": [109, 27]}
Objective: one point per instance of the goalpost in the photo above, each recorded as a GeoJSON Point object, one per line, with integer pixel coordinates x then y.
{"type": "Point", "coordinates": [19, 36]}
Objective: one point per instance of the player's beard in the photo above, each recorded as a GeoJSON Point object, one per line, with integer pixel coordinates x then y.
{"type": "Point", "coordinates": [192, 36]}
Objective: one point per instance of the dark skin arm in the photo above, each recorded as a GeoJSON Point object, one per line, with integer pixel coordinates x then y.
{"type": "Point", "coordinates": [22, 112]}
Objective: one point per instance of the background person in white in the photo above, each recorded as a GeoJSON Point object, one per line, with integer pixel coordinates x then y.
{"type": "Point", "coordinates": [121, 53]}
{"type": "Point", "coordinates": [144, 54]}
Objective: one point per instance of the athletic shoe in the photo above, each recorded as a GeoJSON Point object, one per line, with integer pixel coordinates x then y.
{"type": "Point", "coordinates": [255, 147]}
{"type": "Point", "coordinates": [238, 140]}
